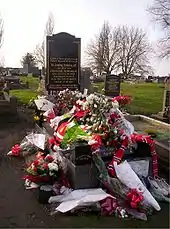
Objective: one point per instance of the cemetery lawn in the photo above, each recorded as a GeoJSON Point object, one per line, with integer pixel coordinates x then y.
{"type": "Point", "coordinates": [32, 81]}
{"type": "Point", "coordinates": [24, 96]}
{"type": "Point", "coordinates": [147, 97]}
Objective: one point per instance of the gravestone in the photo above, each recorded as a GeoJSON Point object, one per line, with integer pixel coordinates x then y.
{"type": "Point", "coordinates": [166, 101]}
{"type": "Point", "coordinates": [164, 115]}
{"type": "Point", "coordinates": [63, 62]}
{"type": "Point", "coordinates": [112, 85]}
{"type": "Point", "coordinates": [85, 79]}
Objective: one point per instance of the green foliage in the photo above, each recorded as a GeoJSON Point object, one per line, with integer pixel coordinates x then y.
{"type": "Point", "coordinates": [147, 97]}
{"type": "Point", "coordinates": [29, 59]}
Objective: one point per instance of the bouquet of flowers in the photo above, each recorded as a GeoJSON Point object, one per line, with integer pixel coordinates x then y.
{"type": "Point", "coordinates": [29, 145]}
{"type": "Point", "coordinates": [65, 100]}
{"type": "Point", "coordinates": [122, 100]}
{"type": "Point", "coordinates": [98, 107]}
{"type": "Point", "coordinates": [43, 169]}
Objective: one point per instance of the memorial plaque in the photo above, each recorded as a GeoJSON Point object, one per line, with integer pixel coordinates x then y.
{"type": "Point", "coordinates": [63, 62]}
{"type": "Point", "coordinates": [112, 85]}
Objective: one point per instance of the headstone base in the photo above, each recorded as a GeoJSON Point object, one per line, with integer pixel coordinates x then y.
{"type": "Point", "coordinates": [160, 117]}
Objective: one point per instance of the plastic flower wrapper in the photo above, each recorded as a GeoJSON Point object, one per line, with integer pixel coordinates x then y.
{"type": "Point", "coordinates": [24, 148]}
{"type": "Point", "coordinates": [62, 161]}
{"type": "Point", "coordinates": [129, 178]}
{"type": "Point", "coordinates": [49, 115]}
{"type": "Point", "coordinates": [118, 119]}
{"type": "Point", "coordinates": [132, 204]}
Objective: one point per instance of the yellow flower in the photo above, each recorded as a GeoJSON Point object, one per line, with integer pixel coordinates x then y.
{"type": "Point", "coordinates": [36, 118]}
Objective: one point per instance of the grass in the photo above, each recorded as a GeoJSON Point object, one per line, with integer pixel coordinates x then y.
{"type": "Point", "coordinates": [32, 81]}
{"type": "Point", "coordinates": [147, 97]}
{"type": "Point", "coordinates": [24, 96]}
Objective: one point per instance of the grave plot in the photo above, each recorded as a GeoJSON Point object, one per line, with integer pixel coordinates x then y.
{"type": "Point", "coordinates": [85, 142]}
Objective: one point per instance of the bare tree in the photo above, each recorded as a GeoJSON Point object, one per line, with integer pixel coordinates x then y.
{"type": "Point", "coordinates": [120, 49]}
{"type": "Point", "coordinates": [49, 29]}
{"type": "Point", "coordinates": [160, 11]}
{"type": "Point", "coordinates": [102, 50]}
{"type": "Point", "coordinates": [39, 51]}
{"type": "Point", "coordinates": [1, 31]}
{"type": "Point", "coordinates": [134, 51]}
{"type": "Point", "coordinates": [39, 54]}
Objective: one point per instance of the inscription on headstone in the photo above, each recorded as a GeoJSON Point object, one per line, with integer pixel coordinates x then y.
{"type": "Point", "coordinates": [112, 85]}
{"type": "Point", "coordinates": [63, 62]}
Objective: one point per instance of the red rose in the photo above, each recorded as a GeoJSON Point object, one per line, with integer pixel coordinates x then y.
{"type": "Point", "coordinates": [16, 150]}
{"type": "Point", "coordinates": [34, 169]}
{"type": "Point", "coordinates": [36, 163]}
{"type": "Point", "coordinates": [49, 158]}
{"type": "Point", "coordinates": [46, 166]}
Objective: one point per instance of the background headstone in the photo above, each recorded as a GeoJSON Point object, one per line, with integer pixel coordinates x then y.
{"type": "Point", "coordinates": [85, 79]}
{"type": "Point", "coordinates": [63, 62]}
{"type": "Point", "coordinates": [112, 85]}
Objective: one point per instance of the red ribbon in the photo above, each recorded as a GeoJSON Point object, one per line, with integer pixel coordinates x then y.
{"type": "Point", "coordinates": [135, 198]}
{"type": "Point", "coordinates": [37, 179]}
{"type": "Point", "coordinates": [16, 150]}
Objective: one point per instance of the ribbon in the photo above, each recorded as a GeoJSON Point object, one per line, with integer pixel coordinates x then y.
{"type": "Point", "coordinates": [16, 150]}
{"type": "Point", "coordinates": [135, 198]}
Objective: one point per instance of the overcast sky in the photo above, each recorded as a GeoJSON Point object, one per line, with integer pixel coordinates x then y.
{"type": "Point", "coordinates": [24, 23]}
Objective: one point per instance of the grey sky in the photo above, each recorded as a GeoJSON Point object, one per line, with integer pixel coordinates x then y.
{"type": "Point", "coordinates": [25, 20]}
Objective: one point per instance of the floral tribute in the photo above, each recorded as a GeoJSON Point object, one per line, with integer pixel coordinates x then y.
{"type": "Point", "coordinates": [97, 121]}
{"type": "Point", "coordinates": [122, 100]}
{"type": "Point", "coordinates": [43, 168]}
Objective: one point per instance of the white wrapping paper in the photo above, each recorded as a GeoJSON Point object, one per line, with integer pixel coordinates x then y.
{"type": "Point", "coordinates": [78, 198]}
{"type": "Point", "coordinates": [43, 104]}
{"type": "Point", "coordinates": [128, 177]}
{"type": "Point", "coordinates": [37, 140]}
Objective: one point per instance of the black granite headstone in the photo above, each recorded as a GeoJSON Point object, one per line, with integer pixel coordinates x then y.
{"type": "Point", "coordinates": [63, 62]}
{"type": "Point", "coordinates": [112, 85]}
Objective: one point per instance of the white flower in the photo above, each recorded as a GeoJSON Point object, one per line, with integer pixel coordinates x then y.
{"type": "Point", "coordinates": [53, 166]}
{"type": "Point", "coordinates": [51, 173]}
{"type": "Point", "coordinates": [115, 104]}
